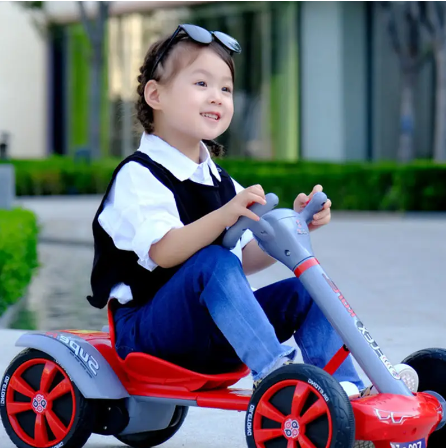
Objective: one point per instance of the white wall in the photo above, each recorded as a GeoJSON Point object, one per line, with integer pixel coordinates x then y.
{"type": "Point", "coordinates": [23, 83]}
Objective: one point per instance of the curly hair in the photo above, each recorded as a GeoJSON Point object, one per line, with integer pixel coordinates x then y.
{"type": "Point", "coordinates": [185, 52]}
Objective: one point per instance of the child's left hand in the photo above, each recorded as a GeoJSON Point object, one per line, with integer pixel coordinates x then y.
{"type": "Point", "coordinates": [319, 219]}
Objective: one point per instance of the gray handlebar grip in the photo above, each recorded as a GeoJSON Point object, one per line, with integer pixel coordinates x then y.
{"type": "Point", "coordinates": [315, 205]}
{"type": "Point", "coordinates": [234, 232]}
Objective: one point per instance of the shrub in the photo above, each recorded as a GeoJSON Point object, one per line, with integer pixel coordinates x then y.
{"type": "Point", "coordinates": [420, 186]}
{"type": "Point", "coordinates": [18, 254]}
{"type": "Point", "coordinates": [351, 186]}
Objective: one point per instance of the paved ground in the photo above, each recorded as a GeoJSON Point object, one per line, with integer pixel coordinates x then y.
{"type": "Point", "coordinates": [389, 267]}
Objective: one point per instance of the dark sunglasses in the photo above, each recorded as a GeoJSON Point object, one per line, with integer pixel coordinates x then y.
{"type": "Point", "coordinates": [202, 36]}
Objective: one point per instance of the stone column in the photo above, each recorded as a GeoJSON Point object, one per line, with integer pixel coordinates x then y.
{"type": "Point", "coordinates": [333, 81]}
{"type": "Point", "coordinates": [7, 186]}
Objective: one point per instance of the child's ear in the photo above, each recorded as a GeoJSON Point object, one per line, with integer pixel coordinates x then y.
{"type": "Point", "coordinates": [151, 94]}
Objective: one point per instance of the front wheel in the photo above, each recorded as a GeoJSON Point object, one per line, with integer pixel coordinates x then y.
{"type": "Point", "coordinates": [40, 406]}
{"type": "Point", "coordinates": [153, 438]}
{"type": "Point", "coordinates": [300, 405]}
{"type": "Point", "coordinates": [430, 365]}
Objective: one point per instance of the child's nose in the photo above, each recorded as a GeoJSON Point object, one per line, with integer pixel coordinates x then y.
{"type": "Point", "coordinates": [215, 98]}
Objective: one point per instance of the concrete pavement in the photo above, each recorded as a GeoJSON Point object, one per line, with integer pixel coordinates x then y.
{"type": "Point", "coordinates": [389, 267]}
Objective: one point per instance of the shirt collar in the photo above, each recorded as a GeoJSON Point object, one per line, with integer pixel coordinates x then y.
{"type": "Point", "coordinates": [174, 160]}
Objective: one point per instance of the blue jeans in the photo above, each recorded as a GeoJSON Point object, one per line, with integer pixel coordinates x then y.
{"type": "Point", "coordinates": [206, 318]}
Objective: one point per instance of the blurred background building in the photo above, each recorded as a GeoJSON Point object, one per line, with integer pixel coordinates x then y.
{"type": "Point", "coordinates": [315, 80]}
{"type": "Point", "coordinates": [24, 72]}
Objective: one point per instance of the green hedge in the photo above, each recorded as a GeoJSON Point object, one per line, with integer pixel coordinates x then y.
{"type": "Point", "coordinates": [351, 186]}
{"type": "Point", "coordinates": [18, 254]}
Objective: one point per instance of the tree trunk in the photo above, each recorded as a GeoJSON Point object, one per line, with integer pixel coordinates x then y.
{"type": "Point", "coordinates": [406, 142]}
{"type": "Point", "coordinates": [94, 119]}
{"type": "Point", "coordinates": [440, 106]}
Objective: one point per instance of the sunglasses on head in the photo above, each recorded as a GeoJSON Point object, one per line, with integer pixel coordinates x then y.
{"type": "Point", "coordinates": [202, 36]}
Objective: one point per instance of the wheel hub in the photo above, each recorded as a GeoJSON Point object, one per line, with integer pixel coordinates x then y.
{"type": "Point", "coordinates": [291, 428]}
{"type": "Point", "coordinates": [51, 424]}
{"type": "Point", "coordinates": [40, 404]}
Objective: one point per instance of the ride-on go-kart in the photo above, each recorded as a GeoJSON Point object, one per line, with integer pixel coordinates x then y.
{"type": "Point", "coordinates": [69, 384]}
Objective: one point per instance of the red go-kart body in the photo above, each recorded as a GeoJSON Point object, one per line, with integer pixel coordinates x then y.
{"type": "Point", "coordinates": [389, 421]}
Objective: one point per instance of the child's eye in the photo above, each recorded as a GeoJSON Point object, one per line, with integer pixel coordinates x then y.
{"type": "Point", "coordinates": [227, 89]}
{"type": "Point", "coordinates": [201, 84]}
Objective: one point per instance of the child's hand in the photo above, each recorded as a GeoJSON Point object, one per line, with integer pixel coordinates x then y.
{"type": "Point", "coordinates": [319, 219]}
{"type": "Point", "coordinates": [238, 206]}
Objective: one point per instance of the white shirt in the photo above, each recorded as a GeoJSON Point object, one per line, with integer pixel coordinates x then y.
{"type": "Point", "coordinates": [140, 210]}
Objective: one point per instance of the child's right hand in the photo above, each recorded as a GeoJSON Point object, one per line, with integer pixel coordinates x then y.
{"type": "Point", "coordinates": [238, 206]}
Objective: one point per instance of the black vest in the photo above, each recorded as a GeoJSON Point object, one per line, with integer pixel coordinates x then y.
{"type": "Point", "coordinates": [112, 265]}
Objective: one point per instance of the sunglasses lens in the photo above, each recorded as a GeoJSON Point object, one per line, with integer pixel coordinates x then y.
{"type": "Point", "coordinates": [197, 33]}
{"type": "Point", "coordinates": [228, 41]}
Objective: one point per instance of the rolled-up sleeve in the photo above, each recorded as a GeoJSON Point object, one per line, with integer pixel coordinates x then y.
{"type": "Point", "coordinates": [140, 210]}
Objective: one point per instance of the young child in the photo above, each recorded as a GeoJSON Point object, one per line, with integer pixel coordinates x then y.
{"type": "Point", "coordinates": [182, 296]}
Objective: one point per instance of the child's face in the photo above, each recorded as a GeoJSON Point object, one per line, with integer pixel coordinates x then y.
{"type": "Point", "coordinates": [198, 103]}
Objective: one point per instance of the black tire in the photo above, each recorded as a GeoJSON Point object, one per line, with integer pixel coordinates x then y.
{"type": "Point", "coordinates": [430, 364]}
{"type": "Point", "coordinates": [70, 409]}
{"type": "Point", "coordinates": [320, 387]}
{"type": "Point", "coordinates": [153, 438]}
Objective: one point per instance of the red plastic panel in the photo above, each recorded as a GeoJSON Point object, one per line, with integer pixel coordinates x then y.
{"type": "Point", "coordinates": [386, 418]}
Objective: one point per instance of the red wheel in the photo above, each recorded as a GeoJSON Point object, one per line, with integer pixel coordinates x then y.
{"type": "Point", "coordinates": [40, 406]}
{"type": "Point", "coordinates": [300, 406]}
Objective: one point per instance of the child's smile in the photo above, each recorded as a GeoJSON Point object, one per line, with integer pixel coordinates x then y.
{"type": "Point", "coordinates": [211, 115]}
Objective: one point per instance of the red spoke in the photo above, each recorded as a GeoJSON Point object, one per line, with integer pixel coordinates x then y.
{"type": "Point", "coordinates": [58, 428]}
{"type": "Point", "coordinates": [269, 411]}
{"type": "Point", "coordinates": [21, 386]}
{"type": "Point", "coordinates": [263, 435]}
{"type": "Point", "coordinates": [300, 397]}
{"type": "Point", "coordinates": [291, 443]}
{"type": "Point", "coordinates": [17, 408]}
{"type": "Point", "coordinates": [64, 387]}
{"type": "Point", "coordinates": [315, 411]}
{"type": "Point", "coordinates": [40, 432]}
{"type": "Point", "coordinates": [305, 442]}
{"type": "Point", "coordinates": [48, 374]}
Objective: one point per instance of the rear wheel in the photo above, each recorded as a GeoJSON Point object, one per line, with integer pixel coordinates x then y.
{"type": "Point", "coordinates": [430, 364]}
{"type": "Point", "coordinates": [154, 438]}
{"type": "Point", "coordinates": [40, 406]}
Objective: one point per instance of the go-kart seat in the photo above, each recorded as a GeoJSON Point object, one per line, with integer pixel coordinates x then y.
{"type": "Point", "coordinates": [145, 368]}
